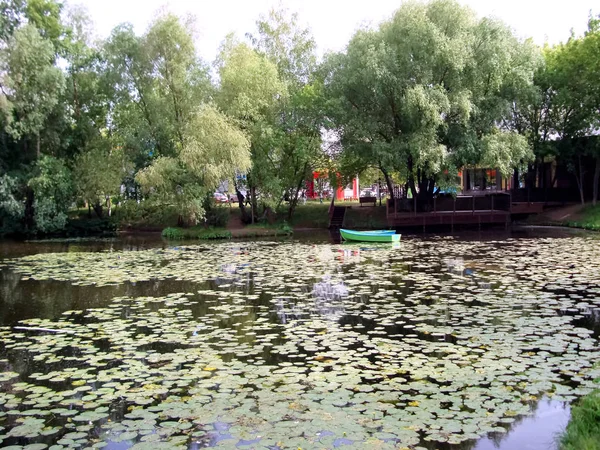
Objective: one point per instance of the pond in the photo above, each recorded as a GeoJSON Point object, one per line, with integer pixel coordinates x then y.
{"type": "Point", "coordinates": [456, 342]}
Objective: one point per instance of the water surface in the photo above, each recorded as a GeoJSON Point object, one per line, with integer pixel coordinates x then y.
{"type": "Point", "coordinates": [466, 341]}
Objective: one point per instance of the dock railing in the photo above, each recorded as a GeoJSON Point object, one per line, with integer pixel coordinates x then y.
{"type": "Point", "coordinates": [447, 204]}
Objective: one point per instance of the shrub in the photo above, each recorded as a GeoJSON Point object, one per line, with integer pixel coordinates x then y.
{"type": "Point", "coordinates": [174, 233]}
{"type": "Point", "coordinates": [217, 217]}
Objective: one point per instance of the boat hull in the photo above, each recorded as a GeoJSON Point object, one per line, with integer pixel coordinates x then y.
{"type": "Point", "coordinates": [359, 236]}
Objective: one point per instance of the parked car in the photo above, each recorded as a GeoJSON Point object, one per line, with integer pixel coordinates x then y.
{"type": "Point", "coordinates": [220, 198]}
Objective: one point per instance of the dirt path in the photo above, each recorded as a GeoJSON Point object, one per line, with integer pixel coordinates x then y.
{"type": "Point", "coordinates": [235, 222]}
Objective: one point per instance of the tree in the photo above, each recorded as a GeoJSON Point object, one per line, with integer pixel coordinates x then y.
{"type": "Point", "coordinates": [11, 208]}
{"type": "Point", "coordinates": [213, 149]}
{"type": "Point", "coordinates": [11, 12]}
{"type": "Point", "coordinates": [250, 90]}
{"type": "Point", "coordinates": [573, 73]}
{"type": "Point", "coordinates": [31, 86]}
{"type": "Point", "coordinates": [425, 92]}
{"type": "Point", "coordinates": [182, 80]}
{"type": "Point", "coordinates": [97, 186]}
{"type": "Point", "coordinates": [52, 188]}
{"type": "Point", "coordinates": [158, 82]}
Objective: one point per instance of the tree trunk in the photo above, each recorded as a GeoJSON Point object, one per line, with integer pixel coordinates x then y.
{"type": "Point", "coordinates": [98, 209]}
{"type": "Point", "coordinates": [389, 183]}
{"type": "Point", "coordinates": [109, 205]}
{"type": "Point", "coordinates": [38, 146]}
{"type": "Point", "coordinates": [240, 197]}
{"type": "Point", "coordinates": [516, 179]}
{"type": "Point", "coordinates": [89, 205]}
{"type": "Point", "coordinates": [596, 179]}
{"type": "Point", "coordinates": [294, 198]}
{"type": "Point", "coordinates": [253, 202]}
{"type": "Point", "coordinates": [579, 178]}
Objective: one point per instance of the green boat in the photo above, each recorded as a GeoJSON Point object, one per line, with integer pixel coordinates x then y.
{"type": "Point", "coordinates": [369, 236]}
{"type": "Point", "coordinates": [378, 231]}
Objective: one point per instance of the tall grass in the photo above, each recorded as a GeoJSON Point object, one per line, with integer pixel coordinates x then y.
{"type": "Point", "coordinates": [590, 219]}
{"type": "Point", "coordinates": [583, 431]}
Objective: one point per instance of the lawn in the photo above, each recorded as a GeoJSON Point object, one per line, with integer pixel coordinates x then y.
{"type": "Point", "coordinates": [589, 218]}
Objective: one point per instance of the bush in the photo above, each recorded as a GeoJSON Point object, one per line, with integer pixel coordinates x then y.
{"type": "Point", "coordinates": [214, 234]}
{"type": "Point", "coordinates": [53, 189]}
{"type": "Point", "coordinates": [217, 217]}
{"type": "Point", "coordinates": [11, 209]}
{"type": "Point", "coordinates": [146, 213]}
{"type": "Point", "coordinates": [174, 233]}
{"type": "Point", "coordinates": [91, 227]}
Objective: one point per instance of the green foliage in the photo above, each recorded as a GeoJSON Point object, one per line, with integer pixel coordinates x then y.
{"type": "Point", "coordinates": [45, 16]}
{"type": "Point", "coordinates": [271, 90]}
{"type": "Point", "coordinates": [10, 16]}
{"type": "Point", "coordinates": [99, 172]}
{"type": "Point", "coordinates": [431, 89]}
{"type": "Point", "coordinates": [173, 233]}
{"type": "Point", "coordinates": [146, 214]}
{"type": "Point", "coordinates": [573, 73]}
{"type": "Point", "coordinates": [33, 83]}
{"type": "Point", "coordinates": [53, 193]}
{"type": "Point", "coordinates": [425, 92]}
{"type": "Point", "coordinates": [90, 227]}
{"type": "Point", "coordinates": [11, 209]}
{"type": "Point", "coordinates": [158, 82]}
{"type": "Point", "coordinates": [590, 219]}
{"type": "Point", "coordinates": [217, 217]}
{"type": "Point", "coordinates": [214, 148]}
{"type": "Point", "coordinates": [583, 431]}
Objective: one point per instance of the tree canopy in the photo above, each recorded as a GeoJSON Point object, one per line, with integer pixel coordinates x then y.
{"type": "Point", "coordinates": [426, 93]}
{"type": "Point", "coordinates": [140, 117]}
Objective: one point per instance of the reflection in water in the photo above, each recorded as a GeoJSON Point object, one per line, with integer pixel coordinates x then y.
{"type": "Point", "coordinates": [356, 318]}
{"type": "Point", "coordinates": [539, 432]}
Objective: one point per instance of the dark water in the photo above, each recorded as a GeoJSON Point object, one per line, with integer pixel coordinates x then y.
{"type": "Point", "coordinates": [48, 299]}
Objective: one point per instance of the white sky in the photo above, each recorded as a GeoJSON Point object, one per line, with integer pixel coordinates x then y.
{"type": "Point", "coordinates": [334, 21]}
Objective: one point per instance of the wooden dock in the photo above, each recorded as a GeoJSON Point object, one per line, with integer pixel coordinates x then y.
{"type": "Point", "coordinates": [449, 218]}
{"type": "Point", "coordinates": [489, 208]}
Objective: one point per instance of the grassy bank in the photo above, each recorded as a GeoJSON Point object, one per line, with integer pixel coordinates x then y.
{"type": "Point", "coordinates": [200, 232]}
{"type": "Point", "coordinates": [583, 431]}
{"type": "Point", "coordinates": [588, 218]}
{"type": "Point", "coordinates": [175, 233]}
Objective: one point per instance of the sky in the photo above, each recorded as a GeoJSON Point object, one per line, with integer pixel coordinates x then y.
{"type": "Point", "coordinates": [333, 21]}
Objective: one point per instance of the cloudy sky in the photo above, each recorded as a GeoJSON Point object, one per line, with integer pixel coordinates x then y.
{"type": "Point", "coordinates": [333, 21]}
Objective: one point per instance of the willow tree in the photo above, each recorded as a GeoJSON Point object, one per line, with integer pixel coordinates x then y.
{"type": "Point", "coordinates": [30, 85]}
{"type": "Point", "coordinates": [213, 148]}
{"type": "Point", "coordinates": [291, 47]}
{"type": "Point", "coordinates": [424, 94]}
{"type": "Point", "coordinates": [250, 92]}
{"type": "Point", "coordinates": [158, 81]}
